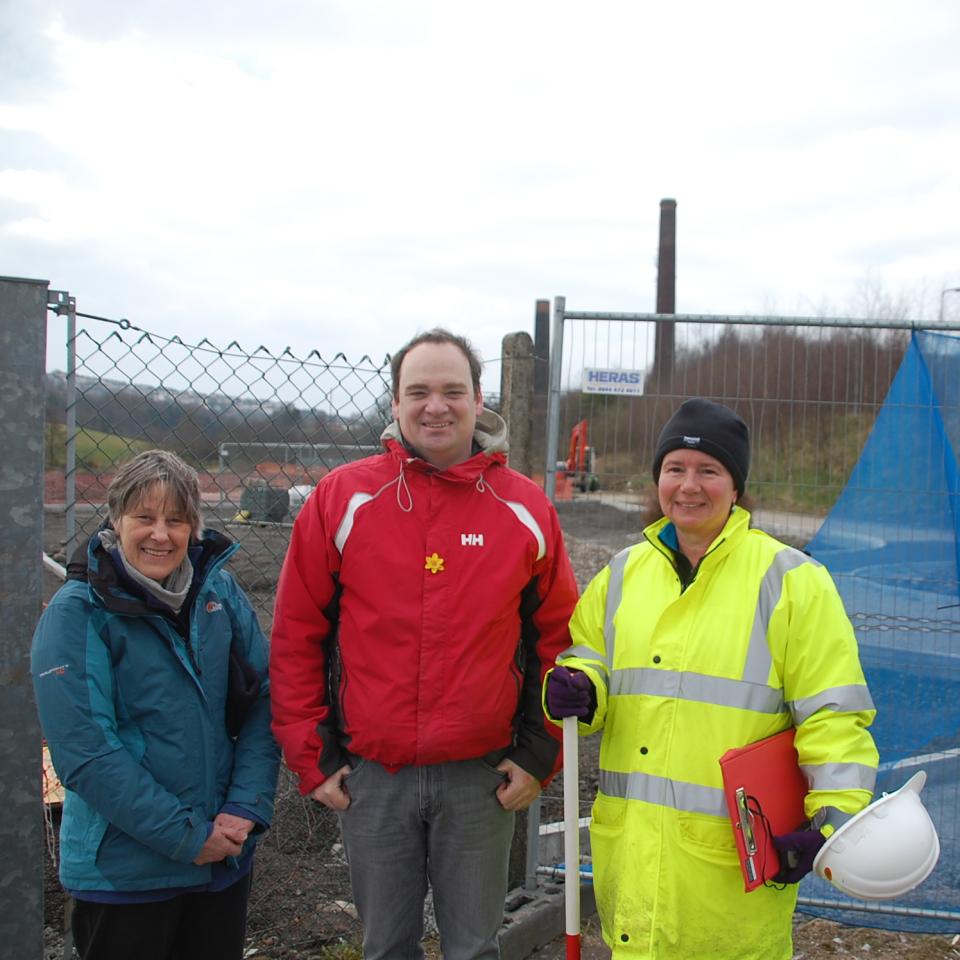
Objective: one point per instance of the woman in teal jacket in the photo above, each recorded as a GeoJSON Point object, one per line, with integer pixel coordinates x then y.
{"type": "Point", "coordinates": [150, 673]}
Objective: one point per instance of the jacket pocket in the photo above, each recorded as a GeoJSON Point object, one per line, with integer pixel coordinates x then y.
{"type": "Point", "coordinates": [608, 851]}
{"type": "Point", "coordinates": [709, 838]}
{"type": "Point", "coordinates": [608, 813]}
{"type": "Point", "coordinates": [81, 833]}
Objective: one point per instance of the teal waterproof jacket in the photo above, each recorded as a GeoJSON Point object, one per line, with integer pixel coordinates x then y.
{"type": "Point", "coordinates": [135, 717]}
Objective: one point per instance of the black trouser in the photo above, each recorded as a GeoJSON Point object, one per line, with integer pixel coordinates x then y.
{"type": "Point", "coordinates": [191, 926]}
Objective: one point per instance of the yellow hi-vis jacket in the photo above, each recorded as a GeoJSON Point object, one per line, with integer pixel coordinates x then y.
{"type": "Point", "coordinates": [757, 642]}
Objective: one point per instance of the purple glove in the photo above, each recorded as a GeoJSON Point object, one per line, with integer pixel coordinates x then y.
{"type": "Point", "coordinates": [797, 852]}
{"type": "Point", "coordinates": [569, 694]}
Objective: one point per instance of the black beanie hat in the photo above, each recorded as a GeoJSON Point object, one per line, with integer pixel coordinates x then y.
{"type": "Point", "coordinates": [710, 428]}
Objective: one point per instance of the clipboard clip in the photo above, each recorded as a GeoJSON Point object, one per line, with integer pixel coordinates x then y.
{"type": "Point", "coordinates": [746, 822]}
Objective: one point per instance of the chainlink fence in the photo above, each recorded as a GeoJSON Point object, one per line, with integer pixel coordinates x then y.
{"type": "Point", "coordinates": [855, 435]}
{"type": "Point", "coordinates": [261, 429]}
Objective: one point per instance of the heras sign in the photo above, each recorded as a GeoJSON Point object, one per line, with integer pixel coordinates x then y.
{"type": "Point", "coordinates": [600, 380]}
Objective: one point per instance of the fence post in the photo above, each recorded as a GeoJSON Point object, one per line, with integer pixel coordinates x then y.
{"type": "Point", "coordinates": [541, 347]}
{"type": "Point", "coordinates": [553, 397]}
{"type": "Point", "coordinates": [516, 407]}
{"type": "Point", "coordinates": [516, 398]}
{"type": "Point", "coordinates": [23, 339]}
{"type": "Point", "coordinates": [541, 381]}
{"type": "Point", "coordinates": [70, 468]}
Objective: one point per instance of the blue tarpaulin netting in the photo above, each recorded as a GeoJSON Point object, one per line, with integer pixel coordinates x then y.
{"type": "Point", "coordinates": [891, 543]}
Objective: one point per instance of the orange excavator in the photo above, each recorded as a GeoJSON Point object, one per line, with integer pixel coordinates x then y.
{"type": "Point", "coordinates": [581, 461]}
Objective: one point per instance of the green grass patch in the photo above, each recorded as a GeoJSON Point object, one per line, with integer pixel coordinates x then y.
{"type": "Point", "coordinates": [95, 451]}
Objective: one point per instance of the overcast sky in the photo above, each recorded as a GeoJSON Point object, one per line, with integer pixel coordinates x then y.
{"type": "Point", "coordinates": [339, 175]}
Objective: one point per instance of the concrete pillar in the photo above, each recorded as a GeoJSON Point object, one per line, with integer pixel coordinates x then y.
{"type": "Point", "coordinates": [23, 339]}
{"type": "Point", "coordinates": [516, 398]}
{"type": "Point", "coordinates": [516, 407]}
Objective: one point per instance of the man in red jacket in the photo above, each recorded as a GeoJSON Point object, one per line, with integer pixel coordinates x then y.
{"type": "Point", "coordinates": [425, 593]}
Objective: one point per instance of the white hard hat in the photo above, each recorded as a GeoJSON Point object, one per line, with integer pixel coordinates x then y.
{"type": "Point", "coordinates": [884, 851]}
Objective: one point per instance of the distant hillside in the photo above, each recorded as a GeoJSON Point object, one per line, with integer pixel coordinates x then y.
{"type": "Point", "coordinates": [197, 424]}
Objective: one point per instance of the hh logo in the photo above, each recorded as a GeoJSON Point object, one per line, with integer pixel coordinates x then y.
{"type": "Point", "coordinates": [471, 539]}
{"type": "Point", "coordinates": [213, 606]}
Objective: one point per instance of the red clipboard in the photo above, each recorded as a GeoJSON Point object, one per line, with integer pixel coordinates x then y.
{"type": "Point", "coordinates": [764, 789]}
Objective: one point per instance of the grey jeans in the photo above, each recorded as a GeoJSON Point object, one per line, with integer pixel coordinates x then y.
{"type": "Point", "coordinates": [440, 823]}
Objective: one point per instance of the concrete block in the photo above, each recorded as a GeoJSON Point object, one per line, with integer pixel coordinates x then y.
{"type": "Point", "coordinates": [533, 918]}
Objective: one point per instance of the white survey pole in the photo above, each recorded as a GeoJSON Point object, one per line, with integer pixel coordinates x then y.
{"type": "Point", "coordinates": [571, 835]}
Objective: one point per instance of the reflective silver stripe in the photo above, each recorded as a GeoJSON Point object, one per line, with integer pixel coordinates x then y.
{"type": "Point", "coordinates": [758, 662]}
{"type": "Point", "coordinates": [346, 524]}
{"type": "Point", "coordinates": [586, 653]}
{"type": "Point", "coordinates": [676, 794]}
{"type": "Point", "coordinates": [614, 596]}
{"type": "Point", "coordinates": [847, 699]}
{"type": "Point", "coordinates": [699, 687]}
{"type": "Point", "coordinates": [830, 816]}
{"type": "Point", "coordinates": [526, 518]}
{"type": "Point", "coordinates": [839, 776]}
{"type": "Point", "coordinates": [522, 514]}
{"type": "Point", "coordinates": [582, 653]}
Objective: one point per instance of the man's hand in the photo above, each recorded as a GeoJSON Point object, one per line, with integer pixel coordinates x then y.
{"type": "Point", "coordinates": [519, 790]}
{"type": "Point", "coordinates": [332, 793]}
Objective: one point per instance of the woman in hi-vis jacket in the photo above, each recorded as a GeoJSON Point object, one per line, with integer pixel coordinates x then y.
{"type": "Point", "coordinates": [706, 636]}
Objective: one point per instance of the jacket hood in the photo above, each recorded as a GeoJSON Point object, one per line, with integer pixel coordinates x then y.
{"type": "Point", "coordinates": [490, 433]}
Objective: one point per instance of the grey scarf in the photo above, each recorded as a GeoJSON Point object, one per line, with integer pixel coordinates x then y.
{"type": "Point", "coordinates": [172, 591]}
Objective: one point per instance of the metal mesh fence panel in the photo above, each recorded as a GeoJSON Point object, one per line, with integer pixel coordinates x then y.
{"type": "Point", "coordinates": [261, 429]}
{"type": "Point", "coordinates": [811, 392]}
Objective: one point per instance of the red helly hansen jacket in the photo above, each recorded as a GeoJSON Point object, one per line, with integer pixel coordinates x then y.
{"type": "Point", "coordinates": [417, 613]}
